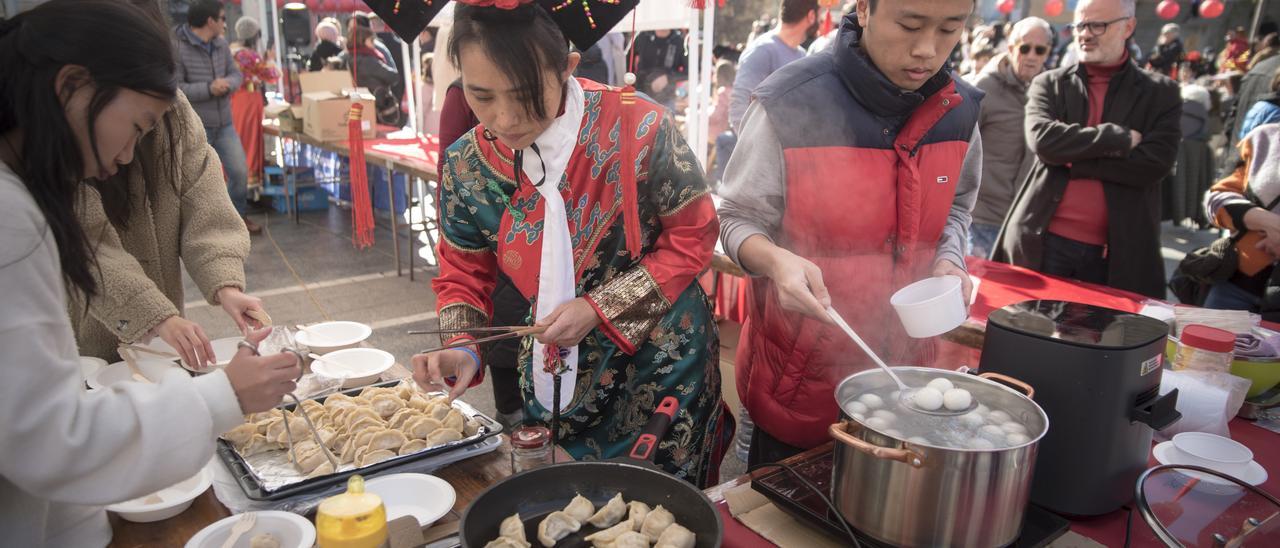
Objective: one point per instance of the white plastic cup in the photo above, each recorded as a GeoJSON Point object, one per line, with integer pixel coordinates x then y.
{"type": "Point", "coordinates": [931, 307]}
{"type": "Point", "coordinates": [1213, 452]}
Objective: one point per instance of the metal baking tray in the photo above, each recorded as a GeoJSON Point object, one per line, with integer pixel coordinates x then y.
{"type": "Point", "coordinates": [258, 489]}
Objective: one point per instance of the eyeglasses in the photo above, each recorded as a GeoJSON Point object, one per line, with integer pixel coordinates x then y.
{"type": "Point", "coordinates": [1096, 28]}
{"type": "Point", "coordinates": [1026, 48]}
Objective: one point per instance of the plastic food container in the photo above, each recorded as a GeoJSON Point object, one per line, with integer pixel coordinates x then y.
{"type": "Point", "coordinates": [1204, 348]}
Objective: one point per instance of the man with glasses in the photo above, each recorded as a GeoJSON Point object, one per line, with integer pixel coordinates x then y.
{"type": "Point", "coordinates": [1105, 134]}
{"type": "Point", "coordinates": [207, 74]}
{"type": "Point", "coordinates": [1005, 160]}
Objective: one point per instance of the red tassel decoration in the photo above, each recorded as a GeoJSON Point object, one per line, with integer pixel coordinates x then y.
{"type": "Point", "coordinates": [826, 24]}
{"type": "Point", "coordinates": [698, 4]}
{"type": "Point", "coordinates": [630, 200]}
{"type": "Point", "coordinates": [361, 203]}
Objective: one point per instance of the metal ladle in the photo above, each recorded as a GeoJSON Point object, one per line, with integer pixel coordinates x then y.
{"type": "Point", "coordinates": [906, 394]}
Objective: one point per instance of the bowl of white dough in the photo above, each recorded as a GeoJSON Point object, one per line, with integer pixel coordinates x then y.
{"type": "Point", "coordinates": [271, 529]}
{"type": "Point", "coordinates": [326, 337]}
{"type": "Point", "coordinates": [167, 502]}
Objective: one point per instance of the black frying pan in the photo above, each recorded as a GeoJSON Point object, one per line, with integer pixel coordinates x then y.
{"type": "Point", "coordinates": [538, 492]}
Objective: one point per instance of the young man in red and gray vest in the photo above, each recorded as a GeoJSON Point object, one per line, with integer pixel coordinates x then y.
{"type": "Point", "coordinates": [855, 174]}
{"type": "Point", "coordinates": [1105, 134]}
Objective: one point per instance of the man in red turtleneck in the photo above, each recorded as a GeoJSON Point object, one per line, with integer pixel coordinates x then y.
{"type": "Point", "coordinates": [1105, 133]}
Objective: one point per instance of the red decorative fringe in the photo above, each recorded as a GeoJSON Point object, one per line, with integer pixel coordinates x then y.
{"type": "Point", "coordinates": [361, 203]}
{"type": "Point", "coordinates": [630, 199]}
{"type": "Point", "coordinates": [826, 24]}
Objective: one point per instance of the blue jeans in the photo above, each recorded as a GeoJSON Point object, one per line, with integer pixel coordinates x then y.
{"type": "Point", "coordinates": [1067, 258]}
{"type": "Point", "coordinates": [982, 239]}
{"type": "Point", "coordinates": [1229, 296]}
{"type": "Point", "coordinates": [226, 142]}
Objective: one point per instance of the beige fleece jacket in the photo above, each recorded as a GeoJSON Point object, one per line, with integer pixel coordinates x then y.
{"type": "Point", "coordinates": [183, 216]}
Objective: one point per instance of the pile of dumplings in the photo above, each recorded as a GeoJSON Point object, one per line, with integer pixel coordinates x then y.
{"type": "Point", "coordinates": [642, 528]}
{"type": "Point", "coordinates": [378, 424]}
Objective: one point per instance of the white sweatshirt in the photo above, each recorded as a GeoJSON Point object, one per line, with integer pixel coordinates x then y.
{"type": "Point", "coordinates": [65, 452]}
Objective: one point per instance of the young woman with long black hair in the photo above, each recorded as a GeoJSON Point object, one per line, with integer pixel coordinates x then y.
{"type": "Point", "coordinates": [589, 200]}
{"type": "Point", "coordinates": [83, 81]}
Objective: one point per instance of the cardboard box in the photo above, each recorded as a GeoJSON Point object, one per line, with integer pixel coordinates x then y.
{"type": "Point", "coordinates": [325, 114]}
{"type": "Point", "coordinates": [326, 100]}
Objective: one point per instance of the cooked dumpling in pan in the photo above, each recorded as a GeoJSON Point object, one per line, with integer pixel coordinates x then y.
{"type": "Point", "coordinates": [398, 419]}
{"type": "Point", "coordinates": [454, 420]}
{"type": "Point", "coordinates": [580, 508]}
{"type": "Point", "coordinates": [636, 512]}
{"type": "Point", "coordinates": [387, 404]}
{"type": "Point", "coordinates": [676, 536]}
{"type": "Point", "coordinates": [656, 522]}
{"type": "Point", "coordinates": [556, 526]}
{"type": "Point", "coordinates": [241, 435]}
{"type": "Point", "coordinates": [631, 540]}
{"type": "Point", "coordinates": [610, 513]}
{"type": "Point", "coordinates": [387, 439]}
{"type": "Point", "coordinates": [472, 427]}
{"type": "Point", "coordinates": [506, 542]}
{"type": "Point", "coordinates": [611, 534]}
{"type": "Point", "coordinates": [418, 402]}
{"type": "Point", "coordinates": [513, 528]}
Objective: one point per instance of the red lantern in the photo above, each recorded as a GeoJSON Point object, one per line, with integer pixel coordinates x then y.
{"type": "Point", "coordinates": [1211, 9]}
{"type": "Point", "coordinates": [1005, 6]}
{"type": "Point", "coordinates": [1168, 9]}
{"type": "Point", "coordinates": [1053, 8]}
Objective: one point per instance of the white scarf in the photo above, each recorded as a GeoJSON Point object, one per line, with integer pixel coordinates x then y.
{"type": "Point", "coordinates": [556, 281]}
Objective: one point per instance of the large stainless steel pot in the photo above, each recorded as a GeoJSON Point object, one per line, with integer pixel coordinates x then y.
{"type": "Point", "coordinates": [910, 494]}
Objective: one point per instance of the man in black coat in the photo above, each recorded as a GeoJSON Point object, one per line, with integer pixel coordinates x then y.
{"type": "Point", "coordinates": [1105, 134]}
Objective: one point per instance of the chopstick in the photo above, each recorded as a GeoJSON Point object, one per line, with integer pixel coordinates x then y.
{"type": "Point", "coordinates": [519, 329]}
{"type": "Point", "coordinates": [129, 358]}
{"type": "Point", "coordinates": [519, 333]}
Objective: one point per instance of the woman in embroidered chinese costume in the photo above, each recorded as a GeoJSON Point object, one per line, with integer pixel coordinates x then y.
{"type": "Point", "coordinates": [590, 201]}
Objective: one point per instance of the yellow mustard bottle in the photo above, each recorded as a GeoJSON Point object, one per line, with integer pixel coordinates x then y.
{"type": "Point", "coordinates": [354, 519]}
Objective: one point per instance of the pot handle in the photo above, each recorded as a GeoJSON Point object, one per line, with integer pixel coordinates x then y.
{"type": "Point", "coordinates": [647, 444]}
{"type": "Point", "coordinates": [840, 431]}
{"type": "Point", "coordinates": [1026, 389]}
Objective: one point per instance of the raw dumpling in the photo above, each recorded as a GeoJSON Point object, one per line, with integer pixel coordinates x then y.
{"type": "Point", "coordinates": [472, 427]}
{"type": "Point", "coordinates": [374, 457]}
{"type": "Point", "coordinates": [636, 512]}
{"type": "Point", "coordinates": [556, 526]}
{"type": "Point", "coordinates": [241, 435]}
{"type": "Point", "coordinates": [358, 412]}
{"type": "Point", "coordinates": [656, 522]}
{"type": "Point", "coordinates": [454, 420]}
{"type": "Point", "coordinates": [513, 528]}
{"type": "Point", "coordinates": [580, 508]}
{"type": "Point", "coordinates": [387, 404]}
{"type": "Point", "coordinates": [611, 534]}
{"type": "Point", "coordinates": [419, 403]}
{"type": "Point", "coordinates": [413, 446]}
{"type": "Point", "coordinates": [631, 540]}
{"type": "Point", "coordinates": [506, 542]}
{"type": "Point", "coordinates": [421, 427]}
{"type": "Point", "coordinates": [362, 424]}
{"type": "Point", "coordinates": [323, 470]}
{"type": "Point", "coordinates": [397, 420]}
{"type": "Point", "coordinates": [405, 389]}
{"type": "Point", "coordinates": [264, 540]}
{"type": "Point", "coordinates": [676, 536]}
{"type": "Point", "coordinates": [387, 439]}
{"type": "Point", "coordinates": [610, 513]}
{"type": "Point", "coordinates": [256, 445]}
{"type": "Point", "coordinates": [439, 412]}
{"type": "Point", "coordinates": [443, 436]}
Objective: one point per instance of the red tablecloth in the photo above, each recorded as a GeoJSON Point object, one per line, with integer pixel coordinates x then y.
{"type": "Point", "coordinates": [1002, 285]}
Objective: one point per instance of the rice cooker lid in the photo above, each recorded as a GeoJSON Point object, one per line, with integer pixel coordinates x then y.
{"type": "Point", "coordinates": [1221, 505]}
{"type": "Point", "coordinates": [1080, 324]}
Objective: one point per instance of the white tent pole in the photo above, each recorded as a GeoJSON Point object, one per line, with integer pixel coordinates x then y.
{"type": "Point", "coordinates": [269, 10]}
{"type": "Point", "coordinates": [708, 44]}
{"type": "Point", "coordinates": [692, 62]}
{"type": "Point", "coordinates": [411, 81]}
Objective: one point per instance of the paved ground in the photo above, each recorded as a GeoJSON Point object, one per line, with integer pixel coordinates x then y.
{"type": "Point", "coordinates": [310, 272]}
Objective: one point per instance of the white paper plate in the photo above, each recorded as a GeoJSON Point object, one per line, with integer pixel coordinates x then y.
{"type": "Point", "coordinates": [174, 500]}
{"type": "Point", "coordinates": [90, 365]}
{"type": "Point", "coordinates": [292, 530]}
{"type": "Point", "coordinates": [426, 498]}
{"type": "Point", "coordinates": [333, 334]}
{"type": "Point", "coordinates": [354, 363]}
{"type": "Point", "coordinates": [1166, 453]}
{"type": "Point", "coordinates": [120, 372]}
{"type": "Point", "coordinates": [224, 349]}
